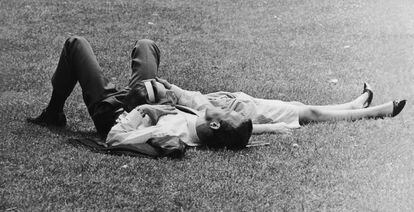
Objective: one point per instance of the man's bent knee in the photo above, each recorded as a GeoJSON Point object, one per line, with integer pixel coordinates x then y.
{"type": "Point", "coordinates": [145, 42]}
{"type": "Point", "coordinates": [75, 39]}
{"type": "Point", "coordinates": [145, 45]}
{"type": "Point", "coordinates": [76, 42]}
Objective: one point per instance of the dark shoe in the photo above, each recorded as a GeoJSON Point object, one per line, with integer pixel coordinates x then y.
{"type": "Point", "coordinates": [367, 89]}
{"type": "Point", "coordinates": [48, 118]}
{"type": "Point", "coordinates": [398, 106]}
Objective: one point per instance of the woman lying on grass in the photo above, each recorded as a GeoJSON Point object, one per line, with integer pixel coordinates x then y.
{"type": "Point", "coordinates": [224, 119]}
{"type": "Point", "coordinates": [141, 116]}
{"type": "Point", "coordinates": [275, 115]}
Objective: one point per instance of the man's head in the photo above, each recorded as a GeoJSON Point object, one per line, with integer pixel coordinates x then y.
{"type": "Point", "coordinates": [223, 129]}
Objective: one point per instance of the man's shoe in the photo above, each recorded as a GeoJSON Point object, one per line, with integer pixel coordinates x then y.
{"type": "Point", "coordinates": [398, 106]}
{"type": "Point", "coordinates": [48, 118]}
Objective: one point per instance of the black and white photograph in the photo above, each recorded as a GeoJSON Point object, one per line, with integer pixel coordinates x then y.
{"type": "Point", "coordinates": [207, 105]}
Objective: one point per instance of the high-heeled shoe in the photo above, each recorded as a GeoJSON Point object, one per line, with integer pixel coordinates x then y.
{"type": "Point", "coordinates": [367, 89]}
{"type": "Point", "coordinates": [398, 107]}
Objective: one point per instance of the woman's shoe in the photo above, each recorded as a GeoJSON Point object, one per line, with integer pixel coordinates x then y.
{"type": "Point", "coordinates": [398, 106]}
{"type": "Point", "coordinates": [367, 89]}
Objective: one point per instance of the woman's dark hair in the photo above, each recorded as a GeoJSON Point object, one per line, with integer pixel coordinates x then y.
{"type": "Point", "coordinates": [230, 137]}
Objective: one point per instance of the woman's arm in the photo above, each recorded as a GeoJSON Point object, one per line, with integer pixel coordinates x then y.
{"type": "Point", "coordinates": [191, 99]}
{"type": "Point", "coordinates": [271, 128]}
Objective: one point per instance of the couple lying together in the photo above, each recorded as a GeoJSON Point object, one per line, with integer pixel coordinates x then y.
{"type": "Point", "coordinates": [150, 113]}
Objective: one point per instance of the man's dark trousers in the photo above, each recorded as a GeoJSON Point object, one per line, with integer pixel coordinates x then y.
{"type": "Point", "coordinates": [78, 63]}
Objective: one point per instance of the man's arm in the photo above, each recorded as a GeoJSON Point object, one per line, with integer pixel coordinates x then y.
{"type": "Point", "coordinates": [135, 133]}
{"type": "Point", "coordinates": [154, 112]}
{"type": "Point", "coordinates": [271, 128]}
{"type": "Point", "coordinates": [126, 129]}
{"type": "Point", "coordinates": [139, 125]}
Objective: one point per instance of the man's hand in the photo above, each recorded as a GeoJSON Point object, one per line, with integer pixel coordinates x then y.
{"type": "Point", "coordinates": [154, 112]}
{"type": "Point", "coordinates": [166, 84]}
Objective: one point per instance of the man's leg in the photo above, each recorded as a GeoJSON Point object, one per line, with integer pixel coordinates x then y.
{"type": "Point", "coordinates": [77, 63]}
{"type": "Point", "coordinates": [145, 61]}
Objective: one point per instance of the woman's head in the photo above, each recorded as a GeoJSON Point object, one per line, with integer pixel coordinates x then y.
{"type": "Point", "coordinates": [224, 129]}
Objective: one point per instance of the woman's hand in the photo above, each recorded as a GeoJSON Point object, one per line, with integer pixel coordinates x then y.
{"type": "Point", "coordinates": [166, 84]}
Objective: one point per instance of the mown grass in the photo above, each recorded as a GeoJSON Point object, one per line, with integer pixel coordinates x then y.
{"type": "Point", "coordinates": [272, 49]}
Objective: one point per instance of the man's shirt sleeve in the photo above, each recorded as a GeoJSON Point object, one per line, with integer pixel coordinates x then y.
{"type": "Point", "coordinates": [131, 128]}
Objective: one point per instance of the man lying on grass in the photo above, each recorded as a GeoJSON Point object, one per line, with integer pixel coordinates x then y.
{"type": "Point", "coordinates": [219, 120]}
{"type": "Point", "coordinates": [139, 126]}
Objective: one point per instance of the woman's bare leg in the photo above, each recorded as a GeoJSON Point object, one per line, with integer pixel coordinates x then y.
{"type": "Point", "coordinates": [358, 103]}
{"type": "Point", "coordinates": [313, 114]}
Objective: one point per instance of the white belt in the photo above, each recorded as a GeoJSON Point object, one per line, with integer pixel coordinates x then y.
{"type": "Point", "coordinates": [150, 91]}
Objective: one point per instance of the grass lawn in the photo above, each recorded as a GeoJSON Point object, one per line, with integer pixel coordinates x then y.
{"type": "Point", "coordinates": [278, 49]}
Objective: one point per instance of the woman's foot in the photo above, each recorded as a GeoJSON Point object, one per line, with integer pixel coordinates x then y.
{"type": "Point", "coordinates": [365, 99]}
{"type": "Point", "coordinates": [368, 90]}
{"type": "Point", "coordinates": [397, 107]}
{"type": "Point", "coordinates": [389, 109]}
